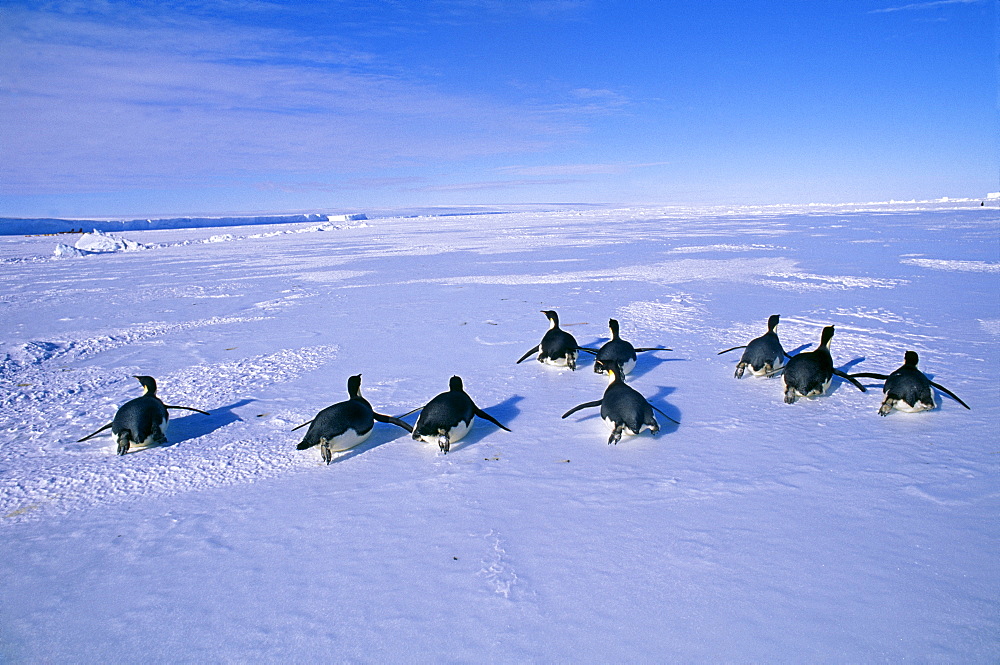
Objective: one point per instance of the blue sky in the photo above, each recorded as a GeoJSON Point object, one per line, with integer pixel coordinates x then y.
{"type": "Point", "coordinates": [160, 107]}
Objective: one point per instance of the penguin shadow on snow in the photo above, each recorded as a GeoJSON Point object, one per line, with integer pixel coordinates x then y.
{"type": "Point", "coordinates": [648, 363]}
{"type": "Point", "coordinates": [797, 350]}
{"type": "Point", "coordinates": [194, 426]}
{"type": "Point", "coordinates": [839, 381]}
{"type": "Point", "coordinates": [383, 434]}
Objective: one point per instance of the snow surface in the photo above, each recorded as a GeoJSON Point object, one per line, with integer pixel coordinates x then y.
{"type": "Point", "coordinates": [754, 531]}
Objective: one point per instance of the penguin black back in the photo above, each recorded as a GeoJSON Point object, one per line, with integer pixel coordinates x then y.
{"type": "Point", "coordinates": [448, 417]}
{"type": "Point", "coordinates": [344, 425]}
{"type": "Point", "coordinates": [618, 350]}
{"type": "Point", "coordinates": [764, 355]}
{"type": "Point", "coordinates": [557, 347]}
{"type": "Point", "coordinates": [623, 407]}
{"type": "Point", "coordinates": [142, 420]}
{"type": "Point", "coordinates": [809, 374]}
{"type": "Point", "coordinates": [908, 389]}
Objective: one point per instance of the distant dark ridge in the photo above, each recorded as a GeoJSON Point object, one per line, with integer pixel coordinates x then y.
{"type": "Point", "coordinates": [13, 226]}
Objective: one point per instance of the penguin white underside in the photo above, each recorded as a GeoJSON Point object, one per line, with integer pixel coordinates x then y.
{"type": "Point", "coordinates": [561, 362]}
{"type": "Point", "coordinates": [627, 366]}
{"type": "Point", "coordinates": [149, 442]}
{"type": "Point", "coordinates": [625, 430]}
{"type": "Point", "coordinates": [769, 369]}
{"type": "Point", "coordinates": [901, 405]}
{"type": "Point", "coordinates": [813, 394]}
{"type": "Point", "coordinates": [346, 441]}
{"type": "Point", "coordinates": [454, 434]}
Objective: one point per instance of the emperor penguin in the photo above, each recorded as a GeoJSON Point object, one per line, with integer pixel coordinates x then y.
{"type": "Point", "coordinates": [618, 351]}
{"type": "Point", "coordinates": [557, 347]}
{"type": "Point", "coordinates": [764, 355]}
{"type": "Point", "coordinates": [141, 421]}
{"type": "Point", "coordinates": [344, 425]}
{"type": "Point", "coordinates": [448, 417]}
{"type": "Point", "coordinates": [809, 374]}
{"type": "Point", "coordinates": [907, 389]}
{"type": "Point", "coordinates": [623, 407]}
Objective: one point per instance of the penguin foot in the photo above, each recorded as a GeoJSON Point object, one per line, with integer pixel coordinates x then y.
{"type": "Point", "coordinates": [791, 396]}
{"type": "Point", "coordinates": [739, 370]}
{"type": "Point", "coordinates": [324, 450]}
{"type": "Point", "coordinates": [124, 442]}
{"type": "Point", "coordinates": [616, 435]}
{"type": "Point", "coordinates": [444, 443]}
{"type": "Point", "coordinates": [887, 406]}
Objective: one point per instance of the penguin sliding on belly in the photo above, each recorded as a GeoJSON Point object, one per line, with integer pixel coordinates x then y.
{"type": "Point", "coordinates": [763, 355]}
{"type": "Point", "coordinates": [448, 417]}
{"type": "Point", "coordinates": [618, 351]}
{"type": "Point", "coordinates": [344, 425]}
{"type": "Point", "coordinates": [809, 374]}
{"type": "Point", "coordinates": [557, 347]}
{"type": "Point", "coordinates": [141, 421]}
{"type": "Point", "coordinates": [907, 389]}
{"type": "Point", "coordinates": [624, 408]}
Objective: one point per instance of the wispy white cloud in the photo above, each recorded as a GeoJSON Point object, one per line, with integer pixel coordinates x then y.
{"type": "Point", "coordinates": [494, 184]}
{"type": "Point", "coordinates": [924, 5]}
{"type": "Point", "coordinates": [98, 99]}
{"type": "Point", "coordinates": [614, 168]}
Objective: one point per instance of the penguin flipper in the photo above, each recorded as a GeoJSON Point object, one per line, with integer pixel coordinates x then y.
{"type": "Point", "coordinates": [90, 436]}
{"type": "Point", "coordinates": [189, 408]}
{"type": "Point", "coordinates": [871, 375]}
{"type": "Point", "coordinates": [658, 348]}
{"type": "Point", "coordinates": [857, 384]}
{"type": "Point", "coordinates": [410, 412]}
{"type": "Point", "coordinates": [533, 349]}
{"type": "Point", "coordinates": [584, 348]}
{"type": "Point", "coordinates": [676, 422]}
{"type": "Point", "coordinates": [727, 350]}
{"type": "Point", "coordinates": [394, 421]}
{"type": "Point", "coordinates": [300, 426]}
{"type": "Point", "coordinates": [585, 405]}
{"type": "Point", "coordinates": [950, 394]}
{"type": "Point", "coordinates": [482, 414]}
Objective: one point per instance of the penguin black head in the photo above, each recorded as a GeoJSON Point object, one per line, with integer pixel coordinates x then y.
{"type": "Point", "coordinates": [455, 384]}
{"type": "Point", "coordinates": [354, 385]}
{"type": "Point", "coordinates": [613, 325]}
{"type": "Point", "coordinates": [910, 358]}
{"type": "Point", "coordinates": [824, 339]}
{"type": "Point", "coordinates": [553, 317]}
{"type": "Point", "coordinates": [148, 383]}
{"type": "Point", "coordinates": [772, 322]}
{"type": "Point", "coordinates": [615, 371]}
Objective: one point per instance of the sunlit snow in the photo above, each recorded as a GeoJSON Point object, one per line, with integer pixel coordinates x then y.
{"type": "Point", "coordinates": [754, 531]}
